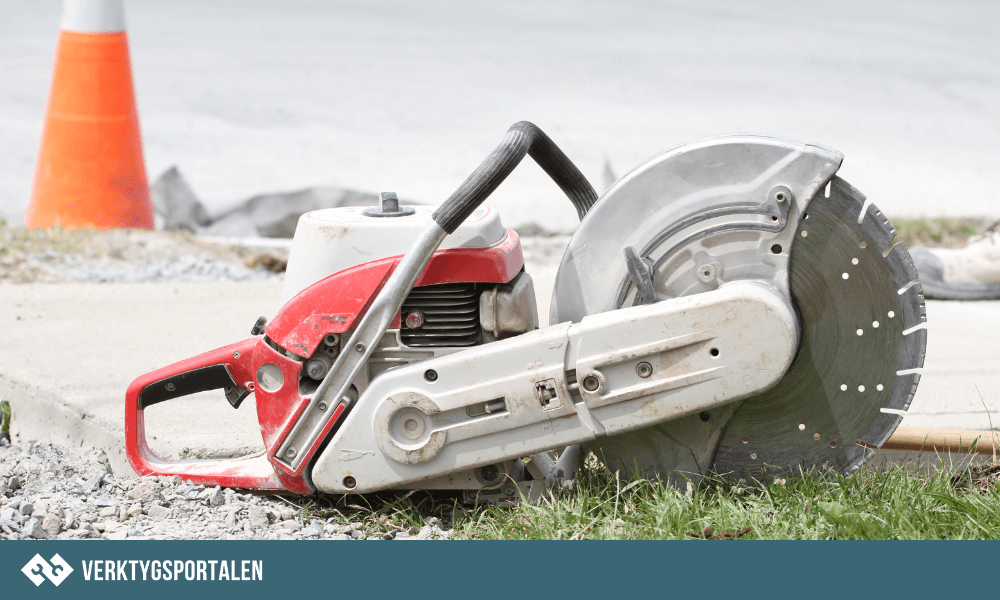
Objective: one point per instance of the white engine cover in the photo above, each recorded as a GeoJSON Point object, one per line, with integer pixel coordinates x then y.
{"type": "Point", "coordinates": [333, 239]}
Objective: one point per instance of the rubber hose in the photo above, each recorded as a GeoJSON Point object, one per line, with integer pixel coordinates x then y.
{"type": "Point", "coordinates": [522, 138]}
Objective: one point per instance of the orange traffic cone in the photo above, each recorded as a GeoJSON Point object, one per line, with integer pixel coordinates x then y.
{"type": "Point", "coordinates": [90, 170]}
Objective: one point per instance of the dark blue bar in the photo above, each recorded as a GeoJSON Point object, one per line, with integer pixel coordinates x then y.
{"type": "Point", "coordinates": [535, 570]}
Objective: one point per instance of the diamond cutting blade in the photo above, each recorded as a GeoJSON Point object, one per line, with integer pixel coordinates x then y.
{"type": "Point", "coordinates": [858, 303]}
{"type": "Point", "coordinates": [700, 216]}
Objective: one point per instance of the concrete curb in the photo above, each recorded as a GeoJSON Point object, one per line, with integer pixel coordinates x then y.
{"type": "Point", "coordinates": [36, 416]}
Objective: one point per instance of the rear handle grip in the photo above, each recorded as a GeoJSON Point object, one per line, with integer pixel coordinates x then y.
{"type": "Point", "coordinates": [228, 368]}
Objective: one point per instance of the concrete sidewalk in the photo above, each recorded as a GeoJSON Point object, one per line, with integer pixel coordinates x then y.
{"type": "Point", "coordinates": [71, 350]}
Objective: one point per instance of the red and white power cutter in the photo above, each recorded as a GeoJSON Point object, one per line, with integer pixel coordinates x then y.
{"type": "Point", "coordinates": [730, 305]}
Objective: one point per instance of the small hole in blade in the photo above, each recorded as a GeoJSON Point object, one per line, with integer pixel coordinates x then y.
{"type": "Point", "coordinates": [845, 275]}
{"type": "Point", "coordinates": [816, 436]}
{"type": "Point", "coordinates": [875, 324]}
{"type": "Point", "coordinates": [854, 261]}
{"type": "Point", "coordinates": [861, 388]}
{"type": "Point", "coordinates": [861, 332]}
{"type": "Point", "coordinates": [805, 234]}
{"type": "Point", "coordinates": [843, 387]}
{"type": "Point", "coordinates": [746, 440]}
{"type": "Point", "coordinates": [862, 245]}
{"type": "Point", "coordinates": [833, 444]}
{"type": "Point", "coordinates": [879, 387]}
{"type": "Point", "coordinates": [753, 455]}
{"type": "Point", "coordinates": [776, 249]}
{"type": "Point", "coordinates": [891, 314]}
{"type": "Point", "coordinates": [802, 426]}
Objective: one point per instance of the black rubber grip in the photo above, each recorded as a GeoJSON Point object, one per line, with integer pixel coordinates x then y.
{"type": "Point", "coordinates": [522, 138]}
{"type": "Point", "coordinates": [184, 384]}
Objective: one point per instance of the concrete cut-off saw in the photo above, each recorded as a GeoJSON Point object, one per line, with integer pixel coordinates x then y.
{"type": "Point", "coordinates": [730, 306]}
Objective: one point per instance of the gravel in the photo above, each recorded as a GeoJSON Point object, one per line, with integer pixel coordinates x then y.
{"type": "Point", "coordinates": [54, 492]}
{"type": "Point", "coordinates": [129, 256]}
{"type": "Point", "coordinates": [137, 256]}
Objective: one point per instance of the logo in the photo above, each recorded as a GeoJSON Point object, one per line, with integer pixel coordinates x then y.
{"type": "Point", "coordinates": [56, 572]}
{"type": "Point", "coordinates": [355, 454]}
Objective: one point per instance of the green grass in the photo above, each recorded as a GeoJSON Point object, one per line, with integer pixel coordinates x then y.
{"type": "Point", "coordinates": [937, 233]}
{"type": "Point", "coordinates": [893, 502]}
{"type": "Point", "coordinates": [4, 420]}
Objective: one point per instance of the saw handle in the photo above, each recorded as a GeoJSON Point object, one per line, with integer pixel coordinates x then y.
{"type": "Point", "coordinates": [228, 368]}
{"type": "Point", "coordinates": [522, 138]}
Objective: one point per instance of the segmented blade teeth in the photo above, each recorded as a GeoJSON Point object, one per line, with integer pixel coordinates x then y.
{"type": "Point", "coordinates": [902, 391]}
{"type": "Point", "coordinates": [912, 304]}
{"type": "Point", "coordinates": [876, 227]}
{"type": "Point", "coordinates": [912, 350]}
{"type": "Point", "coordinates": [881, 429]}
{"type": "Point", "coordinates": [913, 312]}
{"type": "Point", "coordinates": [901, 267]}
{"type": "Point", "coordinates": [860, 305]}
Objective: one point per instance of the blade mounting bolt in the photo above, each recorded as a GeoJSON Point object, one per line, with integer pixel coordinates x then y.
{"type": "Point", "coordinates": [706, 273]}
{"type": "Point", "coordinates": [591, 383]}
{"type": "Point", "coordinates": [781, 194]}
{"type": "Point", "coordinates": [644, 369]}
{"type": "Point", "coordinates": [490, 473]}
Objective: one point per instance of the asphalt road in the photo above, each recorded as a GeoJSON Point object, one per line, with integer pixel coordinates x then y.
{"type": "Point", "coordinates": [254, 97]}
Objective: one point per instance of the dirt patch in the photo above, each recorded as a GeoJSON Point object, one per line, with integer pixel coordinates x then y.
{"type": "Point", "coordinates": [985, 477]}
